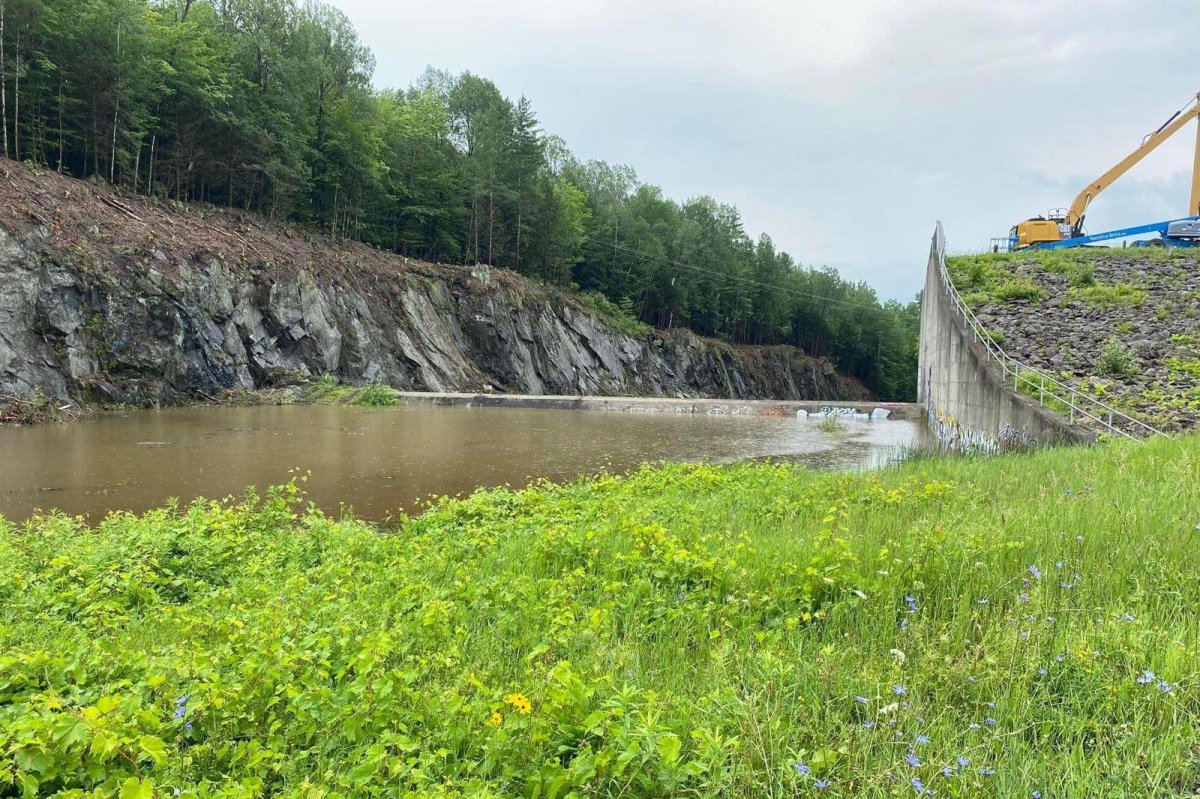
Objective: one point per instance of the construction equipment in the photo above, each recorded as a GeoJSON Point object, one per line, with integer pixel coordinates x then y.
{"type": "Point", "coordinates": [1063, 227]}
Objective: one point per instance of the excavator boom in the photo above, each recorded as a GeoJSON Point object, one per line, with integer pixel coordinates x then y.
{"type": "Point", "coordinates": [1078, 208]}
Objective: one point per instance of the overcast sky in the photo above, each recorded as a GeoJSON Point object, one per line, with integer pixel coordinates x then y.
{"type": "Point", "coordinates": [843, 129]}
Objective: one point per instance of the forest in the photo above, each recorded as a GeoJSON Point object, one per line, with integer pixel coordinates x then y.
{"type": "Point", "coordinates": [269, 106]}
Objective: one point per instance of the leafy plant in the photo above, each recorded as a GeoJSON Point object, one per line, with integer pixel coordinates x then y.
{"type": "Point", "coordinates": [1116, 359]}
{"type": "Point", "coordinates": [376, 396]}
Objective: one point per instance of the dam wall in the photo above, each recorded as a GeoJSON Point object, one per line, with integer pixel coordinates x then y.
{"type": "Point", "coordinates": [967, 387]}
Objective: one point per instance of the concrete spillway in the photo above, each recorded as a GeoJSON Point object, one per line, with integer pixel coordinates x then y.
{"type": "Point", "coordinates": [966, 394]}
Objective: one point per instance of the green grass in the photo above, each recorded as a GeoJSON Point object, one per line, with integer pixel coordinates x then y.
{"type": "Point", "coordinates": [1118, 294]}
{"type": "Point", "coordinates": [686, 631]}
{"type": "Point", "coordinates": [377, 397]}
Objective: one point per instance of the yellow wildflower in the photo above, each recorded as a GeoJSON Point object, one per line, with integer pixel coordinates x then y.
{"type": "Point", "coordinates": [496, 718]}
{"type": "Point", "coordinates": [520, 702]}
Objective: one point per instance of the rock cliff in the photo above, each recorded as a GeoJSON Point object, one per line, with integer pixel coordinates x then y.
{"type": "Point", "coordinates": [108, 297]}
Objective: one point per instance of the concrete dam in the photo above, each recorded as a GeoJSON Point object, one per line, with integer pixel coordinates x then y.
{"type": "Point", "coordinates": [979, 399]}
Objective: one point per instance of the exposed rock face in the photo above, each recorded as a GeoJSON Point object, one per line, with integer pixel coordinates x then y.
{"type": "Point", "coordinates": [120, 312]}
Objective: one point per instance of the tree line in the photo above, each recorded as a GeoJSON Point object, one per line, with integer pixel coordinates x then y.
{"type": "Point", "coordinates": [268, 105]}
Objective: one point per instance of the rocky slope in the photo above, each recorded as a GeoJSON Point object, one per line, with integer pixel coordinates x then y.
{"type": "Point", "coordinates": [1120, 324]}
{"type": "Point", "coordinates": [106, 297]}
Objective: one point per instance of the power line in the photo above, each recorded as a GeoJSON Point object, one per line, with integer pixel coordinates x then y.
{"type": "Point", "coordinates": [727, 276]}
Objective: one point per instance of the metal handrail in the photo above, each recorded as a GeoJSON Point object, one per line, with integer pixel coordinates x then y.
{"type": "Point", "coordinates": [1020, 372]}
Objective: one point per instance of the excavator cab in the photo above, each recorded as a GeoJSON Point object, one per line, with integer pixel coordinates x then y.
{"type": "Point", "coordinates": [1041, 229]}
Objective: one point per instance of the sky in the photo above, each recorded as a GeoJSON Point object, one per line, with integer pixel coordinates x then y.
{"type": "Point", "coordinates": [845, 130]}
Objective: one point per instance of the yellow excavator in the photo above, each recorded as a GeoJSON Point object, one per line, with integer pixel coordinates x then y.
{"type": "Point", "coordinates": [1063, 227]}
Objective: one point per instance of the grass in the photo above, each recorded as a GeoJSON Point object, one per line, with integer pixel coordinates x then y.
{"type": "Point", "coordinates": [717, 631]}
{"type": "Point", "coordinates": [1118, 294]}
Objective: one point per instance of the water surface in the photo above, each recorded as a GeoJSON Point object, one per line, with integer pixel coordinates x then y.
{"type": "Point", "coordinates": [381, 460]}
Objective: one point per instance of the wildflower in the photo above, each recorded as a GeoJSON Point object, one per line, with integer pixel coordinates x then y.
{"type": "Point", "coordinates": [1042, 672]}
{"type": "Point", "coordinates": [912, 759]}
{"type": "Point", "coordinates": [1036, 572]}
{"type": "Point", "coordinates": [923, 739]}
{"type": "Point", "coordinates": [1058, 659]}
{"type": "Point", "coordinates": [962, 761]}
{"type": "Point", "coordinates": [1058, 565]}
{"type": "Point", "coordinates": [868, 724]}
{"type": "Point", "coordinates": [989, 721]}
{"type": "Point", "coordinates": [947, 771]}
{"type": "Point", "coordinates": [1036, 795]}
{"type": "Point", "coordinates": [181, 706]}
{"type": "Point", "coordinates": [520, 702]}
{"type": "Point", "coordinates": [917, 785]}
{"type": "Point", "coordinates": [987, 772]}
{"type": "Point", "coordinates": [821, 785]}
{"type": "Point", "coordinates": [911, 601]}
{"type": "Point", "coordinates": [801, 768]}
{"type": "Point", "coordinates": [1146, 677]}
{"type": "Point", "coordinates": [1079, 539]}
{"type": "Point", "coordinates": [975, 726]}
{"type": "Point", "coordinates": [981, 601]}
{"type": "Point", "coordinates": [1067, 586]}
{"type": "Point", "coordinates": [496, 718]}
{"type": "Point", "coordinates": [862, 700]}
{"type": "Point", "coordinates": [1024, 597]}
{"type": "Point", "coordinates": [1024, 635]}
{"type": "Point", "coordinates": [1166, 687]}
{"type": "Point", "coordinates": [992, 705]}
{"type": "Point", "coordinates": [899, 690]}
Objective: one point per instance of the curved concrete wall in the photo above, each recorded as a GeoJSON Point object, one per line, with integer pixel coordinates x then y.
{"type": "Point", "coordinates": [969, 405]}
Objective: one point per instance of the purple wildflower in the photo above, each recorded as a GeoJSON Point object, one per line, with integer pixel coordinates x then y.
{"type": "Point", "coordinates": [1024, 597]}
{"type": "Point", "coordinates": [917, 785]}
{"type": "Point", "coordinates": [1036, 795]}
{"type": "Point", "coordinates": [801, 768]}
{"type": "Point", "coordinates": [947, 771]}
{"type": "Point", "coordinates": [923, 739]}
{"type": "Point", "coordinates": [989, 721]}
{"type": "Point", "coordinates": [1146, 677]}
{"type": "Point", "coordinates": [1036, 572]}
{"type": "Point", "coordinates": [912, 759]}
{"type": "Point", "coordinates": [1166, 687]}
{"type": "Point", "coordinates": [975, 726]}
{"type": "Point", "coordinates": [862, 700]}
{"type": "Point", "coordinates": [987, 772]}
{"type": "Point", "coordinates": [821, 785]}
{"type": "Point", "coordinates": [962, 761]}
{"type": "Point", "coordinates": [868, 724]}
{"type": "Point", "coordinates": [899, 690]}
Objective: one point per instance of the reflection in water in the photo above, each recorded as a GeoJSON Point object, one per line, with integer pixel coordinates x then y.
{"type": "Point", "coordinates": [380, 460]}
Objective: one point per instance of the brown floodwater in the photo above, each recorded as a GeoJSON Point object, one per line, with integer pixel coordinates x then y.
{"type": "Point", "coordinates": [381, 460]}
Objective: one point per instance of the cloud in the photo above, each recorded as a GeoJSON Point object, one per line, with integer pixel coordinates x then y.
{"type": "Point", "coordinates": [845, 129]}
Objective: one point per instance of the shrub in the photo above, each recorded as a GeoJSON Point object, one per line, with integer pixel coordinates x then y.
{"type": "Point", "coordinates": [1116, 359]}
{"type": "Point", "coordinates": [619, 316]}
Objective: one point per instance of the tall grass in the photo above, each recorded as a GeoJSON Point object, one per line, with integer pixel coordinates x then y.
{"type": "Point", "coordinates": [973, 627]}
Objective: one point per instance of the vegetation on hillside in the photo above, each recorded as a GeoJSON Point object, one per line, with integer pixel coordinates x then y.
{"type": "Point", "coordinates": [268, 105]}
{"type": "Point", "coordinates": [1021, 626]}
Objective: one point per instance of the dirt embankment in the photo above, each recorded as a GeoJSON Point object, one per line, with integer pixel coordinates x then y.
{"type": "Point", "coordinates": [111, 298]}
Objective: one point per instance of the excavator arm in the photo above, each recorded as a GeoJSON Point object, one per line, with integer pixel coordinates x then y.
{"type": "Point", "coordinates": [1170, 127]}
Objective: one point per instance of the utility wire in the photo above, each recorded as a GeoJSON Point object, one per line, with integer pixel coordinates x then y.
{"type": "Point", "coordinates": [747, 280]}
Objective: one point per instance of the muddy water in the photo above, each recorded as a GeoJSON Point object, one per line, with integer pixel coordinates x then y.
{"type": "Point", "coordinates": [379, 460]}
